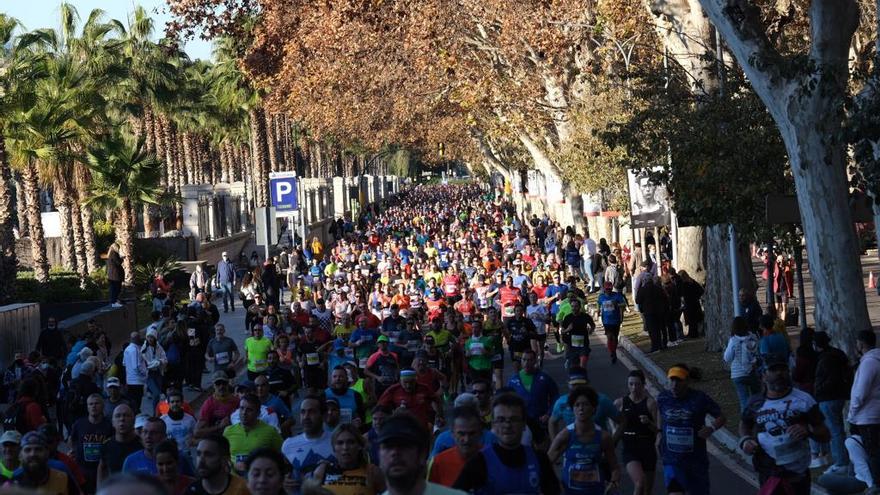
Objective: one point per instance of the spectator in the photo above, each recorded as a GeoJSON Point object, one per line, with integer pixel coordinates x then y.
{"type": "Point", "coordinates": [135, 371]}
{"type": "Point", "coordinates": [742, 356]}
{"type": "Point", "coordinates": [834, 380]}
{"type": "Point", "coordinates": [864, 405]}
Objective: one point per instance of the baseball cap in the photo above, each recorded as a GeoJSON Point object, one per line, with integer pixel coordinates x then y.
{"type": "Point", "coordinates": [332, 400]}
{"type": "Point", "coordinates": [140, 421]}
{"type": "Point", "coordinates": [246, 385]}
{"type": "Point", "coordinates": [10, 436]}
{"type": "Point", "coordinates": [382, 338]}
{"type": "Point", "coordinates": [608, 285]}
{"type": "Point", "coordinates": [677, 372]}
{"type": "Point", "coordinates": [112, 382]}
{"type": "Point", "coordinates": [403, 429]}
{"type": "Point", "coordinates": [775, 361]}
{"type": "Point", "coordinates": [219, 376]}
{"type": "Point", "coordinates": [34, 438]}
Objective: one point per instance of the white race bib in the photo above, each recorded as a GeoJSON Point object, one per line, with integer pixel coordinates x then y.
{"type": "Point", "coordinates": [680, 439]}
{"type": "Point", "coordinates": [221, 358]}
{"type": "Point", "coordinates": [577, 340]}
{"type": "Point", "coordinates": [312, 359]}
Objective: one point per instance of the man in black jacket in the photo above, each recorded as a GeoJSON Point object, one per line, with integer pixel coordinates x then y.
{"type": "Point", "coordinates": [831, 390]}
{"type": "Point", "coordinates": [653, 304]}
{"type": "Point", "coordinates": [51, 341]}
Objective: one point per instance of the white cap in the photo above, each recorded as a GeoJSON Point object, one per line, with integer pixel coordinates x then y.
{"type": "Point", "coordinates": [10, 436]}
{"type": "Point", "coordinates": [140, 421]}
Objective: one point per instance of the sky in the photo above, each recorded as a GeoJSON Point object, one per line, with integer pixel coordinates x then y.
{"type": "Point", "coordinates": [34, 14]}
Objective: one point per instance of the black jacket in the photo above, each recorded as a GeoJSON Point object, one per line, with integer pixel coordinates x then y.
{"type": "Point", "coordinates": [833, 376]}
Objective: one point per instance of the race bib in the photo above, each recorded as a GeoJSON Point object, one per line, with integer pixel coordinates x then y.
{"type": "Point", "coordinates": [680, 439]}
{"type": "Point", "coordinates": [577, 340]}
{"type": "Point", "coordinates": [91, 452]}
{"type": "Point", "coordinates": [787, 451]}
{"type": "Point", "coordinates": [362, 363]}
{"type": "Point", "coordinates": [477, 349]}
{"type": "Point", "coordinates": [451, 288]}
{"type": "Point", "coordinates": [413, 345]}
{"type": "Point", "coordinates": [517, 355]}
{"type": "Point", "coordinates": [345, 415]}
{"type": "Point", "coordinates": [583, 475]}
{"type": "Point", "coordinates": [260, 364]}
{"type": "Point", "coordinates": [498, 357]}
{"type": "Point", "coordinates": [221, 358]}
{"type": "Point", "coordinates": [312, 359]}
{"type": "Point", "coordinates": [609, 306]}
{"type": "Point", "coordinates": [509, 311]}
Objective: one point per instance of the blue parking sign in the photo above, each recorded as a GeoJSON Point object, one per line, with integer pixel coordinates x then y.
{"type": "Point", "coordinates": [284, 193]}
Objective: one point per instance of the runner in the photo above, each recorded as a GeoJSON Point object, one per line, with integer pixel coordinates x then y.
{"type": "Point", "coordinates": [585, 447]}
{"type": "Point", "coordinates": [775, 427]}
{"type": "Point", "coordinates": [683, 432]}
{"type": "Point", "coordinates": [638, 432]}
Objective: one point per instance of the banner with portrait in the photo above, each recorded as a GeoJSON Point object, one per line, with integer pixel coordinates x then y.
{"type": "Point", "coordinates": [648, 201]}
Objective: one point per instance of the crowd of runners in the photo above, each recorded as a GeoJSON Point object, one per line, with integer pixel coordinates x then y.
{"type": "Point", "coordinates": [408, 356]}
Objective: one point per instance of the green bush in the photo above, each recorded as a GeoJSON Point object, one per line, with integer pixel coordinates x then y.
{"type": "Point", "coordinates": [105, 234]}
{"type": "Point", "coordinates": [63, 286]}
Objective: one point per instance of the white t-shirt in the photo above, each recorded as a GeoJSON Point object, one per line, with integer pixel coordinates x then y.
{"type": "Point", "coordinates": [304, 453]}
{"type": "Point", "coordinates": [772, 417]}
{"type": "Point", "coordinates": [538, 315]}
{"type": "Point", "coordinates": [180, 430]}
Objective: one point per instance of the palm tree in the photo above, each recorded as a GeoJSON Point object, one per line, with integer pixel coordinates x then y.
{"type": "Point", "coordinates": [8, 260]}
{"type": "Point", "coordinates": [125, 177]}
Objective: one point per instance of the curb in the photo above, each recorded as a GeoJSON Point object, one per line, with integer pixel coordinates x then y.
{"type": "Point", "coordinates": [724, 440]}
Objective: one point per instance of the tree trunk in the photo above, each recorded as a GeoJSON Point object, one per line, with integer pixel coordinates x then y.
{"type": "Point", "coordinates": [35, 222]}
{"type": "Point", "coordinates": [690, 251]}
{"type": "Point", "coordinates": [149, 133]}
{"type": "Point", "coordinates": [79, 241]}
{"type": "Point", "coordinates": [125, 237]}
{"type": "Point", "coordinates": [188, 158]}
{"type": "Point", "coordinates": [62, 204]}
{"type": "Point", "coordinates": [89, 237]}
{"type": "Point", "coordinates": [820, 177]}
{"type": "Point", "coordinates": [8, 260]}
{"type": "Point", "coordinates": [259, 154]}
{"type": "Point", "coordinates": [718, 298]}
{"type": "Point", "coordinates": [21, 206]}
{"type": "Point", "coordinates": [272, 142]}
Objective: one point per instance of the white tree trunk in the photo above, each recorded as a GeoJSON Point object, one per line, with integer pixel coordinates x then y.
{"type": "Point", "coordinates": [718, 300]}
{"type": "Point", "coordinates": [691, 253]}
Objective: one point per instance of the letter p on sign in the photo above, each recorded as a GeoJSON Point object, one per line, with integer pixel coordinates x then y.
{"type": "Point", "coordinates": [284, 193]}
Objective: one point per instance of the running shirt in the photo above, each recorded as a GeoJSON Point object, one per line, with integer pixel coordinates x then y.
{"type": "Point", "coordinates": [772, 417]}
{"type": "Point", "coordinates": [538, 314]}
{"type": "Point", "coordinates": [611, 306]}
{"type": "Point", "coordinates": [681, 419]}
{"type": "Point", "coordinates": [479, 352]}
{"type": "Point", "coordinates": [304, 453]}
{"type": "Point", "coordinates": [581, 464]}
{"type": "Point", "coordinates": [257, 351]}
{"type": "Point", "coordinates": [180, 430]}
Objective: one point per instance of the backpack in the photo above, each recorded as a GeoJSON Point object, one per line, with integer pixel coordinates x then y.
{"type": "Point", "coordinates": [15, 417]}
{"type": "Point", "coordinates": [617, 277]}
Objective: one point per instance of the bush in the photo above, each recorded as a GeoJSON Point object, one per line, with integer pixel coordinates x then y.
{"type": "Point", "coordinates": [63, 286]}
